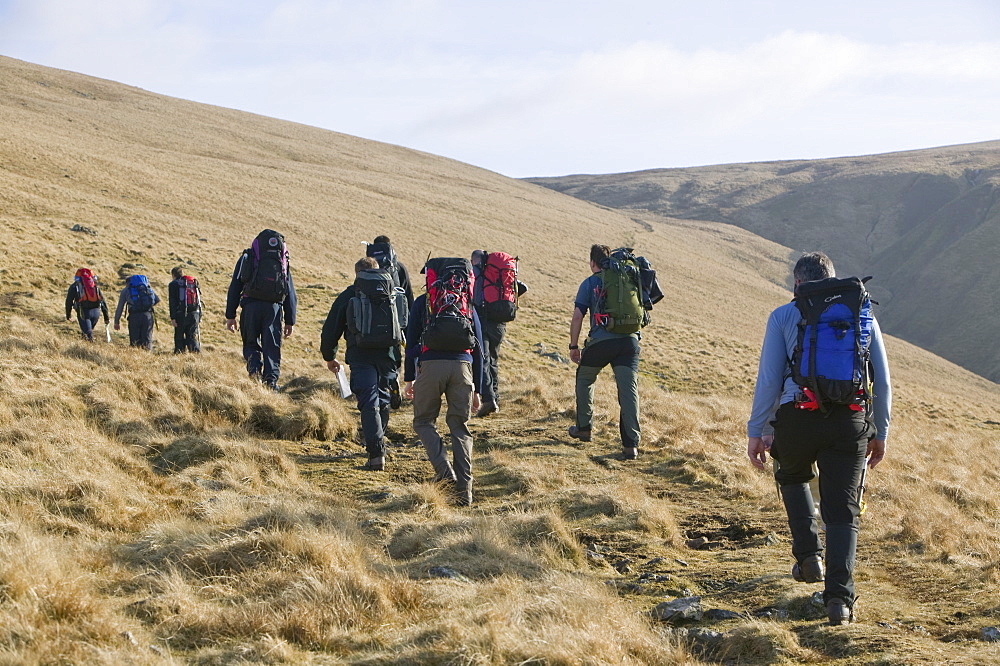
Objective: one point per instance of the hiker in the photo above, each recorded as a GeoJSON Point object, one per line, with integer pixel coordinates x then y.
{"type": "Point", "coordinates": [184, 299]}
{"type": "Point", "coordinates": [444, 357]}
{"type": "Point", "coordinates": [140, 299]}
{"type": "Point", "coordinates": [382, 251]}
{"type": "Point", "coordinates": [262, 287]}
{"type": "Point", "coordinates": [607, 344]}
{"type": "Point", "coordinates": [824, 418]}
{"type": "Point", "coordinates": [371, 314]}
{"type": "Point", "coordinates": [85, 296]}
{"type": "Point", "coordinates": [495, 297]}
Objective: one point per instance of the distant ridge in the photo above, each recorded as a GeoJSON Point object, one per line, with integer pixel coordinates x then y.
{"type": "Point", "coordinates": [925, 223]}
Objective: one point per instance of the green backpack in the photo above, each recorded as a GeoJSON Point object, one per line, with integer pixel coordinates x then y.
{"type": "Point", "coordinates": [622, 308]}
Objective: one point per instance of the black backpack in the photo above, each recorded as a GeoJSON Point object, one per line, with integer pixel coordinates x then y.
{"type": "Point", "coordinates": [264, 272]}
{"type": "Point", "coordinates": [377, 314]}
{"type": "Point", "coordinates": [386, 258]}
{"type": "Point", "coordinates": [448, 326]}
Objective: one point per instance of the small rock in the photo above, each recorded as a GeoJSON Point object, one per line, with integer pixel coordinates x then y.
{"type": "Point", "coordinates": [696, 544]}
{"type": "Point", "coordinates": [719, 614]}
{"type": "Point", "coordinates": [446, 572]}
{"type": "Point", "coordinates": [653, 562]}
{"type": "Point", "coordinates": [592, 556]}
{"type": "Point", "coordinates": [681, 562]}
{"type": "Point", "coordinates": [771, 613]}
{"type": "Point", "coordinates": [127, 635]}
{"type": "Point", "coordinates": [82, 229]}
{"type": "Point", "coordinates": [158, 650]}
{"type": "Point", "coordinates": [622, 566]}
{"type": "Point", "coordinates": [990, 634]}
{"type": "Point", "coordinates": [685, 608]}
{"type": "Point", "coordinates": [706, 636]}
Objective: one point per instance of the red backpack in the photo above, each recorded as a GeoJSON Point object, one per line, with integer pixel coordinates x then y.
{"type": "Point", "coordinates": [191, 293]}
{"type": "Point", "coordinates": [88, 286]}
{"type": "Point", "coordinates": [449, 325]}
{"type": "Point", "coordinates": [499, 275]}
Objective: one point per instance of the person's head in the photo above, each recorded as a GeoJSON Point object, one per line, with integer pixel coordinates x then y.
{"type": "Point", "coordinates": [177, 272]}
{"type": "Point", "coordinates": [382, 239]}
{"type": "Point", "coordinates": [477, 256]}
{"type": "Point", "coordinates": [598, 255]}
{"type": "Point", "coordinates": [813, 266]}
{"type": "Point", "coordinates": [365, 264]}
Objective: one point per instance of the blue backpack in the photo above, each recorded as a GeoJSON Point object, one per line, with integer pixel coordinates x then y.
{"type": "Point", "coordinates": [831, 358]}
{"type": "Point", "coordinates": [140, 295]}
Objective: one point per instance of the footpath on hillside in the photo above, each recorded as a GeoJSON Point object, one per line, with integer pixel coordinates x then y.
{"type": "Point", "coordinates": [731, 552]}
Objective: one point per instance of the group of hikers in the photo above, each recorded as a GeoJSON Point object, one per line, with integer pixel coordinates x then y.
{"type": "Point", "coordinates": [821, 403]}
{"type": "Point", "coordinates": [136, 302]}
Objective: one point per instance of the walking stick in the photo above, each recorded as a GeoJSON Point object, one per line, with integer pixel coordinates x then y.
{"type": "Point", "coordinates": [861, 489]}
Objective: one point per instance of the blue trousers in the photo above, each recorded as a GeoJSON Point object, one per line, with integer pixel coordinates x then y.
{"type": "Point", "coordinates": [261, 325]}
{"type": "Point", "coordinates": [140, 329]}
{"type": "Point", "coordinates": [370, 385]}
{"type": "Point", "coordinates": [88, 321]}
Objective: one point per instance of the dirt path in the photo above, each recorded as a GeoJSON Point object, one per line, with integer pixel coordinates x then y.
{"type": "Point", "coordinates": [743, 568]}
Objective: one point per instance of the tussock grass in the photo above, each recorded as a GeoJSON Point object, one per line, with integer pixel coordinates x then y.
{"type": "Point", "coordinates": [765, 643]}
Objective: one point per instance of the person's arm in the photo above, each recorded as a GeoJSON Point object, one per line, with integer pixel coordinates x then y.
{"type": "Point", "coordinates": [104, 306]}
{"type": "Point", "coordinates": [290, 305]}
{"type": "Point", "coordinates": [404, 283]}
{"type": "Point", "coordinates": [771, 372]}
{"type": "Point", "coordinates": [234, 294]}
{"type": "Point", "coordinates": [173, 302]}
{"type": "Point", "coordinates": [477, 355]}
{"type": "Point", "coordinates": [122, 300]}
{"type": "Point", "coordinates": [575, 326]}
{"type": "Point", "coordinates": [881, 398]}
{"type": "Point", "coordinates": [333, 329]}
{"type": "Point", "coordinates": [70, 301]}
{"type": "Point", "coordinates": [414, 329]}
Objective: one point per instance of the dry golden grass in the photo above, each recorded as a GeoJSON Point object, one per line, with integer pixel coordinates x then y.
{"type": "Point", "coordinates": [171, 498]}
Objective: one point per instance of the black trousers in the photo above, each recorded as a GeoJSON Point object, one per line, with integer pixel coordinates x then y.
{"type": "Point", "coordinates": [493, 332]}
{"type": "Point", "coordinates": [140, 329]}
{"type": "Point", "coordinates": [837, 444]}
{"type": "Point", "coordinates": [186, 333]}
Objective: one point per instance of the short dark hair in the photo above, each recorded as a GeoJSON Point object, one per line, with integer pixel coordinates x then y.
{"type": "Point", "coordinates": [599, 253]}
{"type": "Point", "coordinates": [813, 266]}
{"type": "Point", "coordinates": [382, 239]}
{"type": "Point", "coordinates": [365, 264]}
{"type": "Point", "coordinates": [177, 272]}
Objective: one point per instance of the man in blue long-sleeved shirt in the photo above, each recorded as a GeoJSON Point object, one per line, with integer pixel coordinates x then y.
{"type": "Point", "coordinates": [457, 375]}
{"type": "Point", "coordinates": [262, 320]}
{"type": "Point", "coordinates": [838, 442]}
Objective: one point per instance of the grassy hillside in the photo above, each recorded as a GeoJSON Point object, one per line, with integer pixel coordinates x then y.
{"type": "Point", "coordinates": [925, 223]}
{"type": "Point", "coordinates": [163, 509]}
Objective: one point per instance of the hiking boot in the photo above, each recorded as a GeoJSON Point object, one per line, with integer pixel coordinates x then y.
{"type": "Point", "coordinates": [809, 570]}
{"type": "Point", "coordinates": [445, 477]}
{"type": "Point", "coordinates": [463, 495]}
{"type": "Point", "coordinates": [395, 397]}
{"type": "Point", "coordinates": [630, 453]}
{"type": "Point", "coordinates": [579, 433]}
{"type": "Point", "coordinates": [839, 612]}
{"type": "Point", "coordinates": [272, 385]}
{"type": "Point", "coordinates": [375, 464]}
{"type": "Point", "coordinates": [487, 409]}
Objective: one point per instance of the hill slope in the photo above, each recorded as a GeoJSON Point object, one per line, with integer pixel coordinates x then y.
{"type": "Point", "coordinates": [157, 508]}
{"type": "Point", "coordinates": [925, 223]}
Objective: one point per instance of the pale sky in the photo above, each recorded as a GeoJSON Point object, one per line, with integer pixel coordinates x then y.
{"type": "Point", "coordinates": [555, 87]}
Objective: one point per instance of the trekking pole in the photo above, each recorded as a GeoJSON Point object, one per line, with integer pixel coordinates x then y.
{"type": "Point", "coordinates": [107, 332]}
{"type": "Point", "coordinates": [861, 489]}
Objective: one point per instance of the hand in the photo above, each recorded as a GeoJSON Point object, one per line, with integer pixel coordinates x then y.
{"type": "Point", "coordinates": [232, 326]}
{"type": "Point", "coordinates": [768, 441]}
{"type": "Point", "coordinates": [69, 318]}
{"type": "Point", "coordinates": [575, 355]}
{"type": "Point", "coordinates": [477, 402]}
{"type": "Point", "coordinates": [333, 366]}
{"type": "Point", "coordinates": [876, 451]}
{"type": "Point", "coordinates": [757, 452]}
{"type": "Point", "coordinates": [408, 391]}
{"type": "Point", "coordinates": [118, 326]}
{"type": "Point", "coordinates": [288, 330]}
{"type": "Point", "coordinates": [173, 322]}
